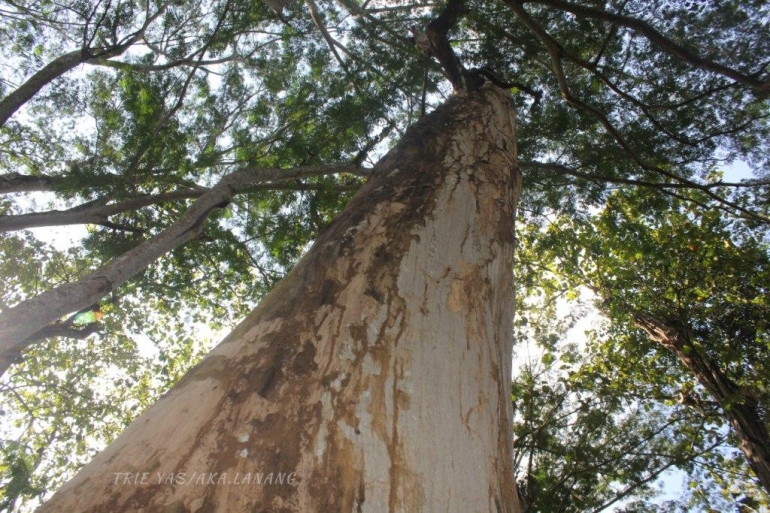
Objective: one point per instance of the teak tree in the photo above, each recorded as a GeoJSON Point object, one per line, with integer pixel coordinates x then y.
{"type": "Point", "coordinates": [211, 143]}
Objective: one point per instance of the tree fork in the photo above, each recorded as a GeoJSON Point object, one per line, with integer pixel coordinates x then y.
{"type": "Point", "coordinates": [376, 375]}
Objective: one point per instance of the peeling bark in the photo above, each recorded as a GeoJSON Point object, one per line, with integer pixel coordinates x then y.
{"type": "Point", "coordinates": [739, 408]}
{"type": "Point", "coordinates": [376, 375]}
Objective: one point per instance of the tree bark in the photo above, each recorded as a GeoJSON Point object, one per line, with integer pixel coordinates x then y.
{"type": "Point", "coordinates": [376, 376]}
{"type": "Point", "coordinates": [739, 408]}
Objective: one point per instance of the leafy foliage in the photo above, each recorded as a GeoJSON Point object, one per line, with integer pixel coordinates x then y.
{"type": "Point", "coordinates": [691, 266]}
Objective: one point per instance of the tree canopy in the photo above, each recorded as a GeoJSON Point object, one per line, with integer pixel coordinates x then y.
{"type": "Point", "coordinates": [204, 145]}
{"type": "Point", "coordinates": [627, 395]}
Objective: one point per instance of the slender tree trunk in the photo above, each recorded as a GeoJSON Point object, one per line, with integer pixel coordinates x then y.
{"type": "Point", "coordinates": [739, 408]}
{"type": "Point", "coordinates": [376, 376]}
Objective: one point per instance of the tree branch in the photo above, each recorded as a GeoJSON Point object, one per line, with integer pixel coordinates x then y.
{"type": "Point", "coordinates": [62, 64]}
{"type": "Point", "coordinates": [16, 182]}
{"type": "Point", "coordinates": [736, 405]}
{"type": "Point", "coordinates": [556, 54]}
{"type": "Point", "coordinates": [91, 212]}
{"type": "Point", "coordinates": [32, 315]}
{"type": "Point", "coordinates": [656, 37]}
{"type": "Point", "coordinates": [436, 33]}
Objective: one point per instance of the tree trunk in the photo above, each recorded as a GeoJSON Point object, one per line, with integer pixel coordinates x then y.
{"type": "Point", "coordinates": [376, 376]}
{"type": "Point", "coordinates": [739, 408]}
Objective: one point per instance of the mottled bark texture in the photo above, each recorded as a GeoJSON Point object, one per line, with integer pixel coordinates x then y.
{"type": "Point", "coordinates": [739, 407]}
{"type": "Point", "coordinates": [378, 370]}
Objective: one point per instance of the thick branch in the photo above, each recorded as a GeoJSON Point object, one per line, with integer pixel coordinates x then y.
{"type": "Point", "coordinates": [739, 409]}
{"type": "Point", "coordinates": [94, 212]}
{"type": "Point", "coordinates": [98, 212]}
{"type": "Point", "coordinates": [436, 32]}
{"type": "Point", "coordinates": [15, 182]}
{"type": "Point", "coordinates": [63, 64]}
{"type": "Point", "coordinates": [36, 82]}
{"type": "Point", "coordinates": [30, 316]}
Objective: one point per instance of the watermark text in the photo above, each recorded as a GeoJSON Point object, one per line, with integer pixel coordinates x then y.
{"type": "Point", "coordinates": [205, 478]}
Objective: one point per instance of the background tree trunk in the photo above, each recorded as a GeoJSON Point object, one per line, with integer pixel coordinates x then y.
{"type": "Point", "coordinates": [738, 407]}
{"type": "Point", "coordinates": [376, 376]}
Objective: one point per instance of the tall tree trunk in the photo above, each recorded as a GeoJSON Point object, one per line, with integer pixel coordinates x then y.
{"type": "Point", "coordinates": [376, 376]}
{"type": "Point", "coordinates": [739, 408]}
